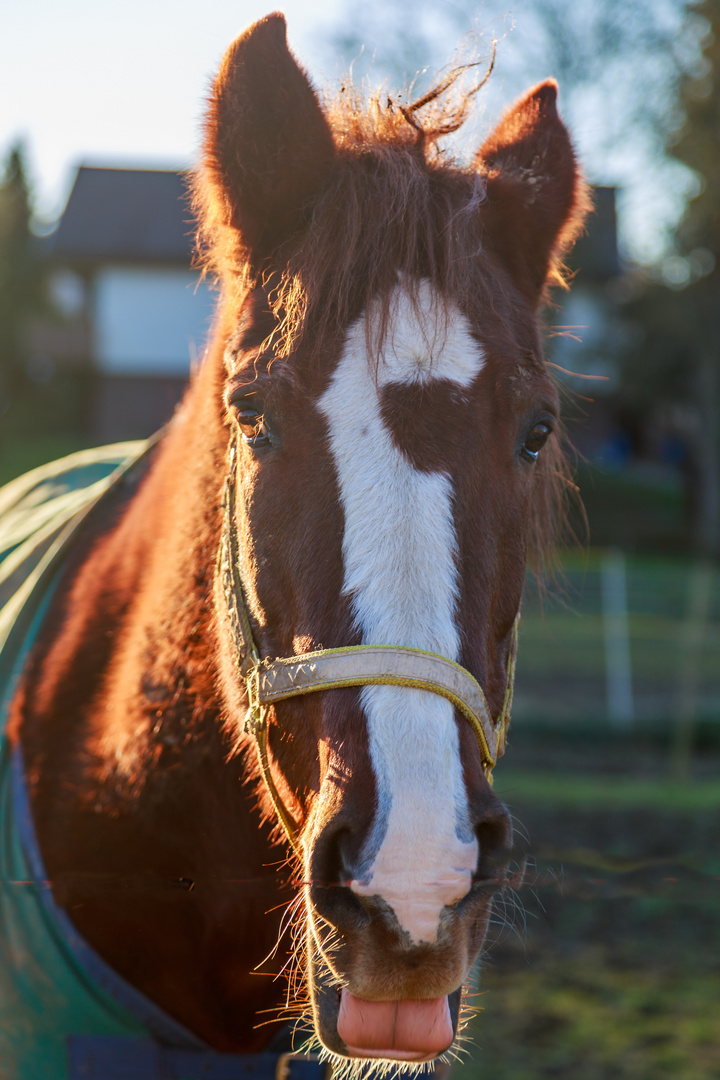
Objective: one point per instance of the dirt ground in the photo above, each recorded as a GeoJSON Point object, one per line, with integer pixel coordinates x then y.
{"type": "Point", "coordinates": [608, 965]}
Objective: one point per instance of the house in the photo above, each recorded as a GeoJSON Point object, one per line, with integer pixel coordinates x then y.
{"type": "Point", "coordinates": [121, 260]}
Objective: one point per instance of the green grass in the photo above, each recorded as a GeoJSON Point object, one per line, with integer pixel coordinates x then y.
{"type": "Point", "coordinates": [634, 510]}
{"type": "Point", "coordinates": [609, 970]}
{"type": "Point", "coordinates": [562, 651]}
{"type": "Point", "coordinates": [605, 792]}
{"type": "Point", "coordinates": [23, 454]}
{"type": "Point", "coordinates": [585, 1018]}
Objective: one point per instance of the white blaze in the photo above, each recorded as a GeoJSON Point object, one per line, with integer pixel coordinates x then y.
{"type": "Point", "coordinates": [400, 552]}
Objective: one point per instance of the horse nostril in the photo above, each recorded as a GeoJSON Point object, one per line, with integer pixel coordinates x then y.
{"type": "Point", "coordinates": [329, 864]}
{"type": "Point", "coordinates": [494, 835]}
{"type": "Point", "coordinates": [335, 854]}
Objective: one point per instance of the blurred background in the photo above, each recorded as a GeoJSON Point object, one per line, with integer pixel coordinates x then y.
{"type": "Point", "coordinates": [606, 964]}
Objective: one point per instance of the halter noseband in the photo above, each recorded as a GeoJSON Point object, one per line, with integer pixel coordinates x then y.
{"type": "Point", "coordinates": [268, 681]}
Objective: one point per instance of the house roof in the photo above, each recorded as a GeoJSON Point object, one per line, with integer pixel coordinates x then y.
{"type": "Point", "coordinates": [126, 214]}
{"type": "Point", "coordinates": [144, 215]}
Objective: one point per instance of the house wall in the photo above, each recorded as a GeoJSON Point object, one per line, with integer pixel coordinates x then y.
{"type": "Point", "coordinates": [150, 321]}
{"type": "Point", "coordinates": [133, 406]}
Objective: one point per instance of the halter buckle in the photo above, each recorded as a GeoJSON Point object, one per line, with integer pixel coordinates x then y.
{"type": "Point", "coordinates": [256, 716]}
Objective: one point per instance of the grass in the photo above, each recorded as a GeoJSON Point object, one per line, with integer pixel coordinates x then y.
{"type": "Point", "coordinates": [584, 1017]}
{"type": "Point", "coordinates": [23, 454]}
{"type": "Point", "coordinates": [609, 967]}
{"type": "Point", "coordinates": [634, 509]}
{"type": "Point", "coordinates": [562, 648]}
{"type": "Point", "coordinates": [601, 792]}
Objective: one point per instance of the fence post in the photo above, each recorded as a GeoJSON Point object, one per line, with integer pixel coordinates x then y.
{"type": "Point", "coordinates": [618, 668]}
{"type": "Point", "coordinates": [692, 633]}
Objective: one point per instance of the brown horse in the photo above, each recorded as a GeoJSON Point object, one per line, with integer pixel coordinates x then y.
{"type": "Point", "coordinates": [376, 418]}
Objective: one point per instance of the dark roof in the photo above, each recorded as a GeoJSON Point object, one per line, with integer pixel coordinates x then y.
{"type": "Point", "coordinates": [117, 214]}
{"type": "Point", "coordinates": [144, 215]}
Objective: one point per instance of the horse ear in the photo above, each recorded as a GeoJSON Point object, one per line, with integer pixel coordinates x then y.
{"type": "Point", "coordinates": [534, 189]}
{"type": "Point", "coordinates": [267, 142]}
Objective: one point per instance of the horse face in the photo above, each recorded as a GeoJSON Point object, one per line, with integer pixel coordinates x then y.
{"type": "Point", "coordinates": [389, 463]}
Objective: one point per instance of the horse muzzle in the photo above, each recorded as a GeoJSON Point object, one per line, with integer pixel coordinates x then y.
{"type": "Point", "coordinates": [377, 993]}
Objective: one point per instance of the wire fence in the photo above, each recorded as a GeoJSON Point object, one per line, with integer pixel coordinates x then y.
{"type": "Point", "coordinates": [624, 641]}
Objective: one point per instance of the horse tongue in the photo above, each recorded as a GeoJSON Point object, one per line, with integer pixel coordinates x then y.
{"type": "Point", "coordinates": [403, 1030]}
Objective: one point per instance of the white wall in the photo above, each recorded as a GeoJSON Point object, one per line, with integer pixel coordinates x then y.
{"type": "Point", "coordinates": [150, 321]}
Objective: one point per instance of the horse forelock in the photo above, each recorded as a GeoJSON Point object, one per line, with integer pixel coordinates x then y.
{"type": "Point", "coordinates": [382, 208]}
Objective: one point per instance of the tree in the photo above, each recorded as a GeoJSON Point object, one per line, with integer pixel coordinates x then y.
{"type": "Point", "coordinates": [698, 146]}
{"type": "Point", "coordinates": [21, 276]}
{"type": "Point", "coordinates": [699, 241]}
{"type": "Point", "coordinates": [677, 365]}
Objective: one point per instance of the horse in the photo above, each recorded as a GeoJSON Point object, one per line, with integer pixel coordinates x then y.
{"type": "Point", "coordinates": [261, 708]}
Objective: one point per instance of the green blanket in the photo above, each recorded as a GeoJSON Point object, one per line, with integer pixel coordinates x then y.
{"type": "Point", "coordinates": [51, 983]}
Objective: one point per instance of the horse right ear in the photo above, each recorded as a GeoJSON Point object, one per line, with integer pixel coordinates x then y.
{"type": "Point", "coordinates": [267, 142]}
{"type": "Point", "coordinates": [536, 194]}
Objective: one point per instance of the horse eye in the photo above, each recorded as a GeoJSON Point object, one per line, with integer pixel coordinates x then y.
{"type": "Point", "coordinates": [251, 423]}
{"type": "Point", "coordinates": [535, 440]}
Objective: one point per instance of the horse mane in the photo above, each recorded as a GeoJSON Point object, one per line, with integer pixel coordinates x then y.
{"type": "Point", "coordinates": [395, 201]}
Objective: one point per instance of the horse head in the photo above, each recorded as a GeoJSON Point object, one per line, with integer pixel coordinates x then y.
{"type": "Point", "coordinates": [394, 457]}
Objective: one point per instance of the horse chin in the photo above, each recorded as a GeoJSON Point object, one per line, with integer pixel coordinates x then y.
{"type": "Point", "coordinates": [326, 998]}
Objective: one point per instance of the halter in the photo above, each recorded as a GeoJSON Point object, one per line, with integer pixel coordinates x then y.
{"type": "Point", "coordinates": [268, 681]}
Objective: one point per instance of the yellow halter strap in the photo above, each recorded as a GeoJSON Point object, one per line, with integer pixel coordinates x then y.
{"type": "Point", "coordinates": [269, 681]}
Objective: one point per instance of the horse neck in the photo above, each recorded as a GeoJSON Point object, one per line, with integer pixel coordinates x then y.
{"type": "Point", "coordinates": [127, 682]}
{"type": "Point", "coordinates": [128, 769]}
{"type": "Point", "coordinates": [161, 561]}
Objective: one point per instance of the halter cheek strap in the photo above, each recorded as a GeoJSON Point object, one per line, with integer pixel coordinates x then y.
{"type": "Point", "coordinates": [269, 681]}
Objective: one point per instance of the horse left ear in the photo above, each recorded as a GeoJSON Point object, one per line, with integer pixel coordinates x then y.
{"type": "Point", "coordinates": [267, 145]}
{"type": "Point", "coordinates": [534, 187]}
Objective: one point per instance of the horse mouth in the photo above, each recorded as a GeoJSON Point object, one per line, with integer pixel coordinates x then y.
{"type": "Point", "coordinates": [405, 1031]}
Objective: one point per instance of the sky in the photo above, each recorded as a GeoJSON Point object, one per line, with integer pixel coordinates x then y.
{"type": "Point", "coordinates": [120, 81]}
{"type": "Point", "coordinates": [124, 82]}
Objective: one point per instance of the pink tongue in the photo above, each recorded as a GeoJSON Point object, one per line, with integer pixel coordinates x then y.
{"type": "Point", "coordinates": [405, 1030]}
